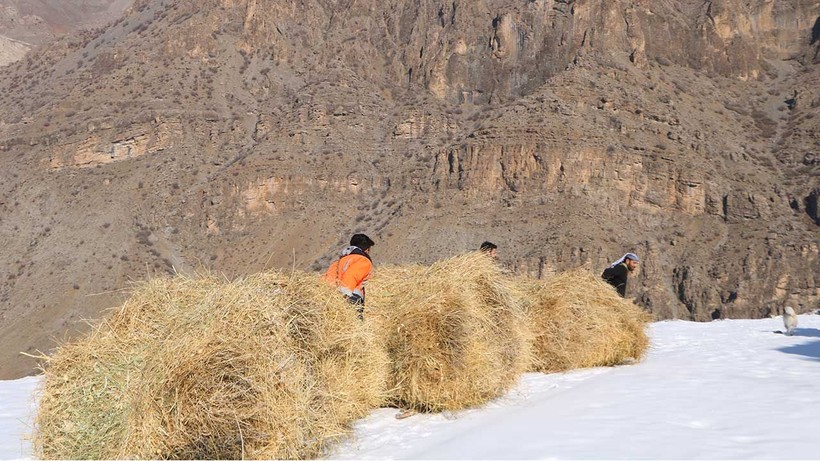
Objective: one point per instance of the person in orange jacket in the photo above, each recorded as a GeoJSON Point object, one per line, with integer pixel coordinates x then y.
{"type": "Point", "coordinates": [352, 270]}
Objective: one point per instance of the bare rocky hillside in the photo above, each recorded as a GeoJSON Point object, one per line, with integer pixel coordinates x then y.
{"type": "Point", "coordinates": [28, 23]}
{"type": "Point", "coordinates": [237, 135]}
{"type": "Point", "coordinates": [11, 50]}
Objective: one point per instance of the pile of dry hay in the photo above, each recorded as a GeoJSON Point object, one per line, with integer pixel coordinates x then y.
{"type": "Point", "coordinates": [580, 321]}
{"type": "Point", "coordinates": [455, 332]}
{"type": "Point", "coordinates": [276, 366]}
{"type": "Point", "coordinates": [271, 366]}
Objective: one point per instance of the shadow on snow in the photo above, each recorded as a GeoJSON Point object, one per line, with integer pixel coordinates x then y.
{"type": "Point", "coordinates": [810, 350]}
{"type": "Point", "coordinates": [804, 332]}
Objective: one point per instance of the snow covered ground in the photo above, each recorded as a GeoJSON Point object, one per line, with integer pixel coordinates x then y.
{"type": "Point", "coordinates": [16, 412]}
{"type": "Point", "coordinates": [730, 389]}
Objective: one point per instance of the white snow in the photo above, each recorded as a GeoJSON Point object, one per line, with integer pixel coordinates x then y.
{"type": "Point", "coordinates": [17, 405]}
{"type": "Point", "coordinates": [730, 389]}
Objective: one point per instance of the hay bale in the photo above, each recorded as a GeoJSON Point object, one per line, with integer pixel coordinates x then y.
{"type": "Point", "coordinates": [271, 366]}
{"type": "Point", "coordinates": [79, 415]}
{"type": "Point", "coordinates": [344, 352]}
{"type": "Point", "coordinates": [455, 332]}
{"type": "Point", "coordinates": [579, 321]}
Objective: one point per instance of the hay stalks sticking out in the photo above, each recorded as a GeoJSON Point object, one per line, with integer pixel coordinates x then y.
{"type": "Point", "coordinates": [579, 321]}
{"type": "Point", "coordinates": [272, 366]}
{"type": "Point", "coordinates": [455, 332]}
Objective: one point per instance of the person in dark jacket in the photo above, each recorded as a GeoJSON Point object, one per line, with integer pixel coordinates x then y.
{"type": "Point", "coordinates": [490, 248]}
{"type": "Point", "coordinates": [618, 272]}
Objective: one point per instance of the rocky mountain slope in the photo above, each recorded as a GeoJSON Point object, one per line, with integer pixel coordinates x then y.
{"type": "Point", "coordinates": [11, 50]}
{"type": "Point", "coordinates": [235, 135]}
{"type": "Point", "coordinates": [28, 23]}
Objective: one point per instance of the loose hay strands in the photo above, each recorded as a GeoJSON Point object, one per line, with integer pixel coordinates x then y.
{"type": "Point", "coordinates": [272, 366]}
{"type": "Point", "coordinates": [455, 332]}
{"type": "Point", "coordinates": [278, 366]}
{"type": "Point", "coordinates": [579, 321]}
{"type": "Point", "coordinates": [342, 350]}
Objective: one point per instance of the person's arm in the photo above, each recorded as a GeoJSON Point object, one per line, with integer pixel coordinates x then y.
{"type": "Point", "coordinates": [332, 272]}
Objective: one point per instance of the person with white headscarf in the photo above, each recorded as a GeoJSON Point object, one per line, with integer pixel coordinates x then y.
{"type": "Point", "coordinates": [618, 272]}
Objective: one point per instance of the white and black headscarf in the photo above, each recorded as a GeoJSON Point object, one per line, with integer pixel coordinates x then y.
{"type": "Point", "coordinates": [631, 256]}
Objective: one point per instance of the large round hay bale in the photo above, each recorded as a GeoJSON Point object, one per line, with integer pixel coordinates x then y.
{"type": "Point", "coordinates": [204, 368]}
{"type": "Point", "coordinates": [350, 364]}
{"type": "Point", "coordinates": [455, 332]}
{"type": "Point", "coordinates": [579, 321]}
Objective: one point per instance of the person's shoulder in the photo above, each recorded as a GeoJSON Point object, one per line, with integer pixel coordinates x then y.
{"type": "Point", "coordinates": [620, 269]}
{"type": "Point", "coordinates": [360, 258]}
{"type": "Point", "coordinates": [615, 269]}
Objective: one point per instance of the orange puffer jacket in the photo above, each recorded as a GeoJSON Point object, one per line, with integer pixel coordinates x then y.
{"type": "Point", "coordinates": [351, 272]}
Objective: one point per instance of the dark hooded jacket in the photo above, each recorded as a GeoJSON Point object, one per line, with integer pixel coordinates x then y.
{"type": "Point", "coordinates": [617, 276]}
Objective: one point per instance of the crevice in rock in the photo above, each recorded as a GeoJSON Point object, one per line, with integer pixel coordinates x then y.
{"type": "Point", "coordinates": [812, 202]}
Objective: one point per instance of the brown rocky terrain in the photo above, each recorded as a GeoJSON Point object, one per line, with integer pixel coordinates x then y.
{"type": "Point", "coordinates": [28, 23]}
{"type": "Point", "coordinates": [12, 50]}
{"type": "Point", "coordinates": [236, 135]}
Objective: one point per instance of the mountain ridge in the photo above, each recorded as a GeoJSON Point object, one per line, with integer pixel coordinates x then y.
{"type": "Point", "coordinates": [232, 136]}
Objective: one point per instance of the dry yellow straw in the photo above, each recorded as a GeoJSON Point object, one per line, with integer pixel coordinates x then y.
{"type": "Point", "coordinates": [579, 321]}
{"type": "Point", "coordinates": [272, 366]}
{"type": "Point", "coordinates": [455, 332]}
{"type": "Point", "coordinates": [278, 366]}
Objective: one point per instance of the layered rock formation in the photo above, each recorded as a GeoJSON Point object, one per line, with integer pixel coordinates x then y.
{"type": "Point", "coordinates": [234, 135]}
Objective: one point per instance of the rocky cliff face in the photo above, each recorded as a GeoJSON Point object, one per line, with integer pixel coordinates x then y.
{"type": "Point", "coordinates": [235, 135]}
{"type": "Point", "coordinates": [473, 53]}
